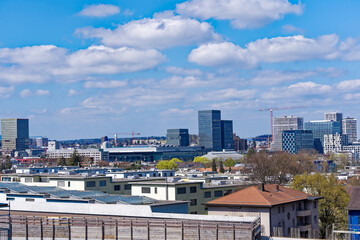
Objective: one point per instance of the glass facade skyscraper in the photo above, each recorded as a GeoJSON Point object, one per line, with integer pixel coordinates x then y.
{"type": "Point", "coordinates": [210, 129]}
{"type": "Point", "coordinates": [295, 140]}
{"type": "Point", "coordinates": [227, 136]}
{"type": "Point", "coordinates": [349, 127]}
{"type": "Point", "coordinates": [321, 128]}
{"type": "Point", "coordinates": [177, 137]}
{"type": "Point", "coordinates": [14, 134]}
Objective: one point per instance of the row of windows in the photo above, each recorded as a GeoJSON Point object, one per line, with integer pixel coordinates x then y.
{"type": "Point", "coordinates": [102, 183]}
{"type": "Point", "coordinates": [182, 190]}
{"type": "Point", "coordinates": [118, 187]}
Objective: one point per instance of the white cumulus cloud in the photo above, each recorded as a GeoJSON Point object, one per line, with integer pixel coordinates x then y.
{"type": "Point", "coordinates": [105, 84]}
{"type": "Point", "coordinates": [159, 32]}
{"type": "Point", "coordinates": [39, 92]}
{"type": "Point", "coordinates": [241, 13]}
{"type": "Point", "coordinates": [272, 50]}
{"type": "Point", "coordinates": [99, 10]}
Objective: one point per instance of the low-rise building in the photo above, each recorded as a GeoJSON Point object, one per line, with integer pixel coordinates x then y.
{"type": "Point", "coordinates": [196, 193]}
{"type": "Point", "coordinates": [95, 154]}
{"type": "Point", "coordinates": [284, 212]}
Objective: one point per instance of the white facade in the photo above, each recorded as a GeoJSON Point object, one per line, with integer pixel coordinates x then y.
{"type": "Point", "coordinates": [334, 143]}
{"type": "Point", "coordinates": [96, 154]}
{"type": "Point", "coordinates": [349, 127]}
{"type": "Point", "coordinates": [53, 145]}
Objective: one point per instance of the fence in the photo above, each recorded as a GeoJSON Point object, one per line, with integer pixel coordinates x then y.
{"type": "Point", "coordinates": [91, 228]}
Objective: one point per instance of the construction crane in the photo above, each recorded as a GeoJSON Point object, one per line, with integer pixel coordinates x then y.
{"type": "Point", "coordinates": [271, 116]}
{"type": "Point", "coordinates": [133, 133]}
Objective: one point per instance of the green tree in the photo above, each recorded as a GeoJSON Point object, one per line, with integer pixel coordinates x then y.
{"type": "Point", "coordinates": [201, 159]}
{"type": "Point", "coordinates": [229, 162]}
{"type": "Point", "coordinates": [221, 167]}
{"type": "Point", "coordinates": [213, 165]}
{"type": "Point", "coordinates": [332, 207]}
{"type": "Point", "coordinates": [74, 160]}
{"type": "Point", "coordinates": [62, 162]}
{"type": "Point", "coordinates": [167, 164]}
{"type": "Point", "coordinates": [175, 160]}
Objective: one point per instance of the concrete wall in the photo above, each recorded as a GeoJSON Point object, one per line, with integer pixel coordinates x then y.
{"type": "Point", "coordinates": [263, 213]}
{"type": "Point", "coordinates": [126, 228]}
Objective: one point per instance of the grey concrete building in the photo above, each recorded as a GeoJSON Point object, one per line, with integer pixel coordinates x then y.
{"type": "Point", "coordinates": [177, 137]}
{"type": "Point", "coordinates": [281, 124]}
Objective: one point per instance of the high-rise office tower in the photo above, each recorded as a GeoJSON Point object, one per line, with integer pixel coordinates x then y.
{"type": "Point", "coordinates": [333, 116]}
{"type": "Point", "coordinates": [210, 129]}
{"type": "Point", "coordinates": [333, 143]}
{"type": "Point", "coordinates": [295, 140]}
{"type": "Point", "coordinates": [281, 124]}
{"type": "Point", "coordinates": [42, 141]}
{"type": "Point", "coordinates": [14, 134]}
{"type": "Point", "coordinates": [227, 139]}
{"type": "Point", "coordinates": [321, 128]}
{"type": "Point", "coordinates": [349, 127]}
{"type": "Point", "coordinates": [177, 137]}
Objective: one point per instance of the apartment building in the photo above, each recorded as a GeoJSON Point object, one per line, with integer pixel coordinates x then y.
{"type": "Point", "coordinates": [196, 193]}
{"type": "Point", "coordinates": [284, 212]}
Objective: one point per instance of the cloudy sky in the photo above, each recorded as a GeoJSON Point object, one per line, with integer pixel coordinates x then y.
{"type": "Point", "coordinates": [81, 69]}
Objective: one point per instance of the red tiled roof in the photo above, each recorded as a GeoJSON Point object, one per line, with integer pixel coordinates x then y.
{"type": "Point", "coordinates": [253, 196]}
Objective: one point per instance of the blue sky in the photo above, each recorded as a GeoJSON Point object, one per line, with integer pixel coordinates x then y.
{"type": "Point", "coordinates": [82, 69]}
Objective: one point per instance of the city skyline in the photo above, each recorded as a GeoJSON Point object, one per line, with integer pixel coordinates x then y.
{"type": "Point", "coordinates": [85, 69]}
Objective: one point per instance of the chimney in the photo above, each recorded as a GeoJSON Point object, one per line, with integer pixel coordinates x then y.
{"type": "Point", "coordinates": [277, 188]}
{"type": "Point", "coordinates": [262, 187]}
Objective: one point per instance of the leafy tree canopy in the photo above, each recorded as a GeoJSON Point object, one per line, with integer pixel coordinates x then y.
{"type": "Point", "coordinates": [332, 208]}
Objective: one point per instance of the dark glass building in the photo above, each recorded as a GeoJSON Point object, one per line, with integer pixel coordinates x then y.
{"type": "Point", "coordinates": [14, 134]}
{"type": "Point", "coordinates": [321, 128]}
{"type": "Point", "coordinates": [227, 139]}
{"type": "Point", "coordinates": [177, 137]}
{"type": "Point", "coordinates": [210, 129]}
{"type": "Point", "coordinates": [295, 140]}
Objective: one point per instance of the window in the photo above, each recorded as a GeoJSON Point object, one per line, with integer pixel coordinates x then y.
{"type": "Point", "coordinates": [181, 190]}
{"type": "Point", "coordinates": [293, 222]}
{"type": "Point", "coordinates": [227, 192]}
{"type": "Point", "coordinates": [6, 179]}
{"type": "Point", "coordinates": [29, 199]}
{"type": "Point", "coordinates": [117, 187]}
{"type": "Point", "coordinates": [10, 199]}
{"type": "Point", "coordinates": [127, 187]}
{"type": "Point", "coordinates": [293, 207]}
{"type": "Point", "coordinates": [28, 179]}
{"type": "Point", "coordinates": [61, 183]}
{"type": "Point", "coordinates": [69, 184]}
{"type": "Point", "coordinates": [145, 190]}
{"type": "Point", "coordinates": [207, 194]}
{"type": "Point", "coordinates": [283, 209]}
{"type": "Point", "coordinates": [102, 183]}
{"type": "Point", "coordinates": [315, 204]}
{"type": "Point", "coordinates": [279, 210]}
{"type": "Point", "coordinates": [90, 184]}
{"type": "Point", "coordinates": [155, 190]}
{"type": "Point", "coordinates": [193, 213]}
{"type": "Point", "coordinates": [171, 174]}
{"type": "Point", "coordinates": [288, 216]}
{"type": "Point", "coordinates": [315, 219]}
{"type": "Point", "coordinates": [218, 193]}
{"type": "Point", "coordinates": [193, 202]}
{"type": "Point", "coordinates": [192, 189]}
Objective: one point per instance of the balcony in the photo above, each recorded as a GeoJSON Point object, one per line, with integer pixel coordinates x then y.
{"type": "Point", "coordinates": [303, 213]}
{"type": "Point", "coordinates": [304, 227]}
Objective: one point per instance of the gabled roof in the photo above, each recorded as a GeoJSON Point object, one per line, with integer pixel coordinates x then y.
{"type": "Point", "coordinates": [253, 196]}
{"type": "Point", "coordinates": [354, 203]}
